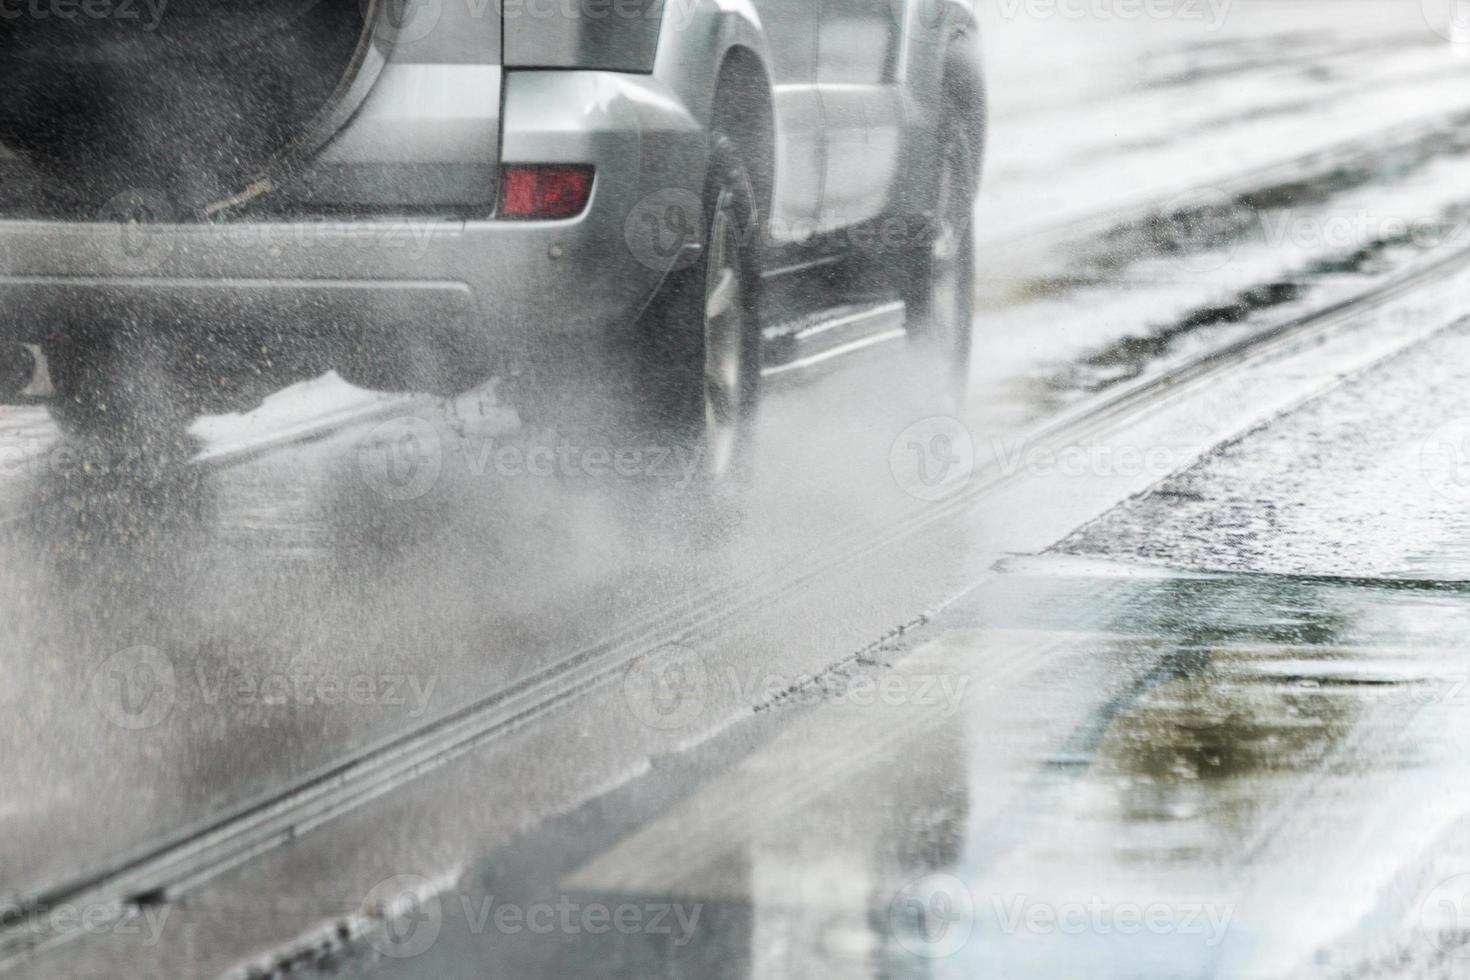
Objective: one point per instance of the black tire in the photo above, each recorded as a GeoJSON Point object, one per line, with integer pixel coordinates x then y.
{"type": "Point", "coordinates": [938, 282]}
{"type": "Point", "coordinates": [700, 371]}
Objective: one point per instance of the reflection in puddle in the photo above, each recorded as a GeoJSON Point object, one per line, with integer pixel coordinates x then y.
{"type": "Point", "coordinates": [1165, 790]}
{"type": "Point", "coordinates": [1226, 724]}
{"type": "Point", "coordinates": [1266, 745]}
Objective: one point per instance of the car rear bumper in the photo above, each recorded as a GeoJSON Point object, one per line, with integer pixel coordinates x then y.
{"type": "Point", "coordinates": [514, 287]}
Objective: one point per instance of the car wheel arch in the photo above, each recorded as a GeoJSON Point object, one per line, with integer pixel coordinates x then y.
{"type": "Point", "coordinates": [742, 108]}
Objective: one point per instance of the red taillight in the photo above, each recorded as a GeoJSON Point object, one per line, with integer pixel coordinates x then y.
{"type": "Point", "coordinates": [544, 192]}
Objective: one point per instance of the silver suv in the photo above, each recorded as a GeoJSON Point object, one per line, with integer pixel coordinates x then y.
{"type": "Point", "coordinates": [662, 200]}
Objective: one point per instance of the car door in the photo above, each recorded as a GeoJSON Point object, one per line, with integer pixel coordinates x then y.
{"type": "Point", "coordinates": [857, 53]}
{"type": "Point", "coordinates": [791, 31]}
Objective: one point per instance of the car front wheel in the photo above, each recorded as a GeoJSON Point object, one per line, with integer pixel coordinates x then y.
{"type": "Point", "coordinates": [940, 283]}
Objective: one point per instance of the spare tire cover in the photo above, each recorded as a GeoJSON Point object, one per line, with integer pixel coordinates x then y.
{"type": "Point", "coordinates": [186, 100]}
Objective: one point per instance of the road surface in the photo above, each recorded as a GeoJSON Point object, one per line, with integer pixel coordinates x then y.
{"type": "Point", "coordinates": [1147, 663]}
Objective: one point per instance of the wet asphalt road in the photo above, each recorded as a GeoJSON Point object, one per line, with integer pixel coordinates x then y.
{"type": "Point", "coordinates": [1181, 697]}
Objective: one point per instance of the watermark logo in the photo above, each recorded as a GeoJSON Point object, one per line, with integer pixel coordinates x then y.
{"type": "Point", "coordinates": [143, 925]}
{"type": "Point", "coordinates": [667, 689]}
{"type": "Point", "coordinates": [933, 916]}
{"type": "Point", "coordinates": [405, 916]}
{"type": "Point", "coordinates": [1205, 229]}
{"type": "Point", "coordinates": [670, 689]}
{"type": "Point", "coordinates": [942, 693]}
{"type": "Point", "coordinates": [933, 459]}
{"type": "Point", "coordinates": [566, 461]}
{"type": "Point", "coordinates": [1341, 230]}
{"type": "Point", "coordinates": [572, 917]}
{"type": "Point", "coordinates": [1090, 460]}
{"type": "Point", "coordinates": [305, 688]}
{"type": "Point", "coordinates": [1444, 459]}
{"type": "Point", "coordinates": [135, 688]}
{"type": "Point", "coordinates": [135, 242]}
{"type": "Point", "coordinates": [406, 21]}
{"type": "Point", "coordinates": [661, 228]}
{"type": "Point", "coordinates": [1444, 916]}
{"type": "Point", "coordinates": [406, 458]}
{"type": "Point", "coordinates": [1018, 914]}
{"type": "Point", "coordinates": [931, 15]}
{"type": "Point", "coordinates": [402, 459]}
{"type": "Point", "coordinates": [149, 13]}
{"type": "Point", "coordinates": [1198, 229]}
{"type": "Point", "coordinates": [1450, 19]}
{"type": "Point", "coordinates": [408, 913]}
{"type": "Point", "coordinates": [1210, 14]}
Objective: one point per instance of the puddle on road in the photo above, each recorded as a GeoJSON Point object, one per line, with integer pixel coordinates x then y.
{"type": "Point", "coordinates": [1164, 785]}
{"type": "Point", "coordinates": [1278, 765]}
{"type": "Point", "coordinates": [1285, 762]}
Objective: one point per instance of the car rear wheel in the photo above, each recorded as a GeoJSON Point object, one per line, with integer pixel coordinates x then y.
{"type": "Point", "coordinates": [702, 364]}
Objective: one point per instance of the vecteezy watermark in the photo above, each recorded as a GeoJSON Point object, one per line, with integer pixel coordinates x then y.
{"type": "Point", "coordinates": [1444, 459]}
{"type": "Point", "coordinates": [143, 234]}
{"type": "Point", "coordinates": [1444, 916]}
{"type": "Point", "coordinates": [675, 13]}
{"type": "Point", "coordinates": [306, 688]}
{"type": "Point", "coordinates": [409, 913]}
{"type": "Point", "coordinates": [1450, 19]}
{"type": "Point", "coordinates": [1086, 460]}
{"type": "Point", "coordinates": [141, 924]}
{"type": "Point", "coordinates": [1354, 229]}
{"type": "Point", "coordinates": [933, 459]}
{"type": "Point", "coordinates": [933, 916]}
{"type": "Point", "coordinates": [149, 12]}
{"type": "Point", "coordinates": [135, 688]}
{"type": "Point", "coordinates": [28, 454]}
{"type": "Point", "coordinates": [1199, 230]}
{"type": "Point", "coordinates": [1209, 13]}
{"type": "Point", "coordinates": [136, 244]}
{"type": "Point", "coordinates": [567, 916]}
{"type": "Point", "coordinates": [405, 915]}
{"type": "Point", "coordinates": [1205, 229]}
{"type": "Point", "coordinates": [409, 21]}
{"type": "Point", "coordinates": [565, 460]}
{"type": "Point", "coordinates": [668, 688]}
{"type": "Point", "coordinates": [930, 17]}
{"type": "Point", "coordinates": [662, 231]}
{"type": "Point", "coordinates": [1095, 916]}
{"type": "Point", "coordinates": [404, 459]}
{"type": "Point", "coordinates": [943, 692]}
